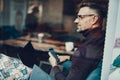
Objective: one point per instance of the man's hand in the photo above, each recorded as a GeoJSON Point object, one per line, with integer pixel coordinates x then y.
{"type": "Point", "coordinates": [63, 58]}
{"type": "Point", "coordinates": [52, 60]}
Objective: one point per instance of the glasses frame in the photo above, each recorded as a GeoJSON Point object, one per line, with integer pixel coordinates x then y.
{"type": "Point", "coordinates": [83, 16]}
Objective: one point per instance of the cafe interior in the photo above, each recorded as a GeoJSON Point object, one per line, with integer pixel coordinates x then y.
{"type": "Point", "coordinates": [55, 28]}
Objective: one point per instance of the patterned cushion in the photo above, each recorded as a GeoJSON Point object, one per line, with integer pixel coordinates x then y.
{"type": "Point", "coordinates": [13, 69]}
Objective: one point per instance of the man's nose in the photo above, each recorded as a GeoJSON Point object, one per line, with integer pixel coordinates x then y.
{"type": "Point", "coordinates": [76, 20]}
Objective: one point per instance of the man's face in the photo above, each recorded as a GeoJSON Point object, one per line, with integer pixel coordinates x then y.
{"type": "Point", "coordinates": [85, 18]}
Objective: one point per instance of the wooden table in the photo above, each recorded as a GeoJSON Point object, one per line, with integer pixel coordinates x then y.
{"type": "Point", "coordinates": [58, 46]}
{"type": "Point", "coordinates": [48, 41]}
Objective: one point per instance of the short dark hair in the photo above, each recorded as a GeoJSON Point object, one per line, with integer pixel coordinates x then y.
{"type": "Point", "coordinates": [94, 6]}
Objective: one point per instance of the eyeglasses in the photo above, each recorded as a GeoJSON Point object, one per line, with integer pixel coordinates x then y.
{"type": "Point", "coordinates": [83, 16]}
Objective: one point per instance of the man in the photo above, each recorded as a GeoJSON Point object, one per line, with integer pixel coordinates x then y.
{"type": "Point", "coordinates": [86, 58]}
{"type": "Point", "coordinates": [31, 21]}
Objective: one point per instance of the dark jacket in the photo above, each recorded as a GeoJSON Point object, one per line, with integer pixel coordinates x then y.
{"type": "Point", "coordinates": [86, 57]}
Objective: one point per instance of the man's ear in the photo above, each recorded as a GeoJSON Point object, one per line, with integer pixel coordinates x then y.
{"type": "Point", "coordinates": [95, 19]}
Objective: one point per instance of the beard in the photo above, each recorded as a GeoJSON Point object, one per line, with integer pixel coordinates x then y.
{"type": "Point", "coordinates": [83, 32]}
{"type": "Point", "coordinates": [80, 30]}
